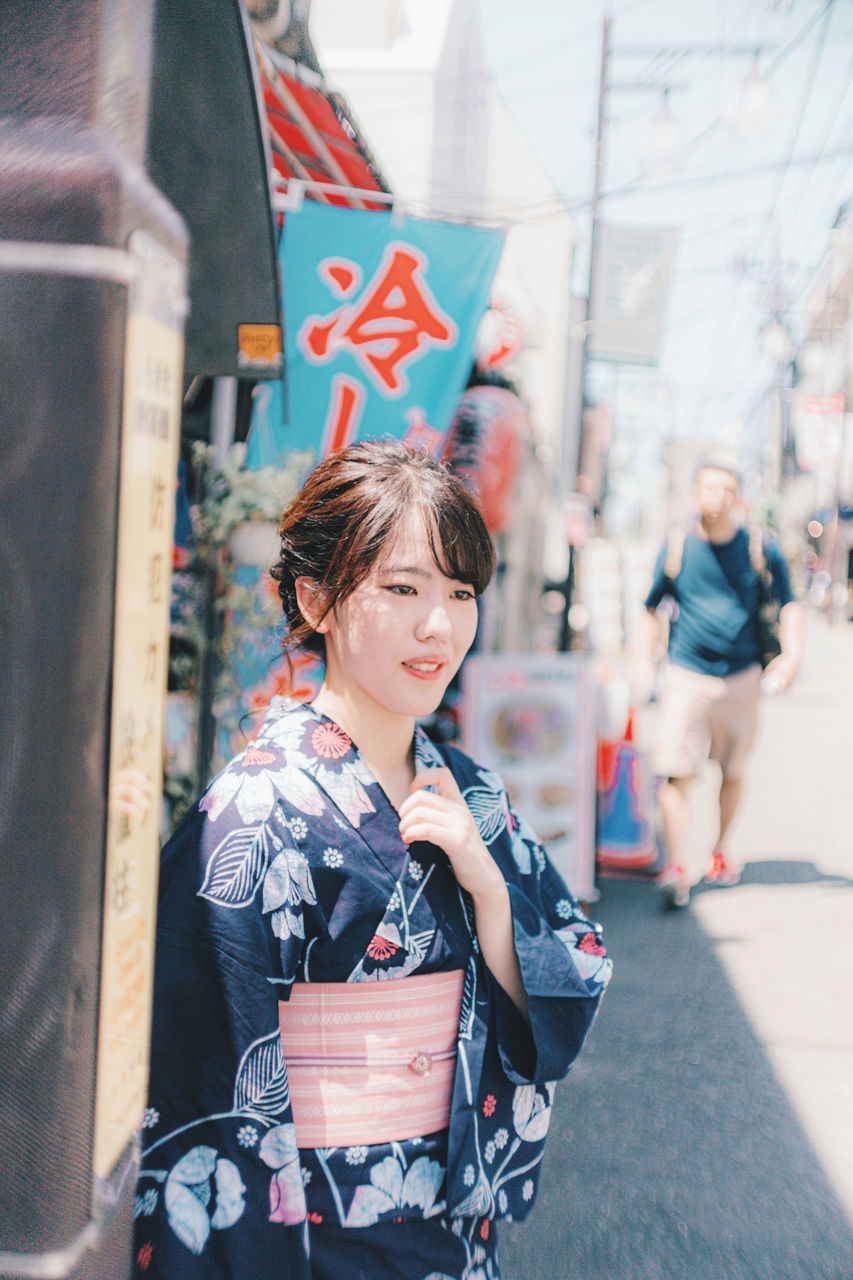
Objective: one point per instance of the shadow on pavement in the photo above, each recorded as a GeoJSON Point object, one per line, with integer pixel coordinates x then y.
{"type": "Point", "coordinates": [790, 871]}
{"type": "Point", "coordinates": [782, 871]}
{"type": "Point", "coordinates": [674, 1153]}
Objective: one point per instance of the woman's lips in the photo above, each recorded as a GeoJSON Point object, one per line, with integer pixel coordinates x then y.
{"type": "Point", "coordinates": [425, 668]}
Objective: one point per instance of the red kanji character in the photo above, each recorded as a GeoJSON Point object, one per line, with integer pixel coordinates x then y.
{"type": "Point", "coordinates": [396, 319]}
{"type": "Point", "coordinates": [345, 407]}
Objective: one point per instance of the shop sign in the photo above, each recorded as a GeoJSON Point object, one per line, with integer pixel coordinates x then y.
{"type": "Point", "coordinates": [381, 317]}
{"type": "Point", "coordinates": [818, 421]}
{"type": "Point", "coordinates": [532, 719]}
{"type": "Point", "coordinates": [150, 429]}
{"type": "Point", "coordinates": [632, 279]}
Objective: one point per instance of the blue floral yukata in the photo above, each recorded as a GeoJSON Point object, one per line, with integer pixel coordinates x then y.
{"type": "Point", "coordinates": [291, 868]}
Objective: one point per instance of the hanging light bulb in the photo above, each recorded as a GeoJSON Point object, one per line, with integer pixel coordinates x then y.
{"type": "Point", "coordinates": [776, 341]}
{"type": "Point", "coordinates": [661, 146]}
{"type": "Point", "coordinates": [752, 106]}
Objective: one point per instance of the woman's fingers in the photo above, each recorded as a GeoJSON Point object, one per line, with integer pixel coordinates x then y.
{"type": "Point", "coordinates": [424, 831]}
{"type": "Point", "coordinates": [441, 816]}
{"type": "Point", "coordinates": [442, 779]}
{"type": "Point", "coordinates": [443, 790]}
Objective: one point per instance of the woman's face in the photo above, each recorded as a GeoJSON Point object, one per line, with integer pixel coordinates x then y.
{"type": "Point", "coordinates": [398, 640]}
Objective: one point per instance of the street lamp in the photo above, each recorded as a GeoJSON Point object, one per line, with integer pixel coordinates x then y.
{"type": "Point", "coordinates": [661, 145]}
{"type": "Point", "coordinates": [776, 341]}
{"type": "Point", "coordinates": [752, 106]}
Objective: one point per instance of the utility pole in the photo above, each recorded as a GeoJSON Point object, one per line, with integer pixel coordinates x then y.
{"type": "Point", "coordinates": [593, 231]}
{"type": "Point", "coordinates": [564, 642]}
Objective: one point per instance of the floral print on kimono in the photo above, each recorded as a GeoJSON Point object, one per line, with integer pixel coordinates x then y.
{"type": "Point", "coordinates": [292, 868]}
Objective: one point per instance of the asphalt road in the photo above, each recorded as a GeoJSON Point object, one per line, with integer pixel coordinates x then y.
{"type": "Point", "coordinates": [706, 1133]}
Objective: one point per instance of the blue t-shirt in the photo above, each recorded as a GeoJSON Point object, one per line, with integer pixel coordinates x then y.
{"type": "Point", "coordinates": [715, 629]}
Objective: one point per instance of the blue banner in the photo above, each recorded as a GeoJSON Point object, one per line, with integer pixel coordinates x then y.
{"type": "Point", "coordinates": [380, 321]}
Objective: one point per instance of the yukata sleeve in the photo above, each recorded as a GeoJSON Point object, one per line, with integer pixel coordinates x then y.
{"type": "Point", "coordinates": [564, 965]}
{"type": "Point", "coordinates": [220, 1191]}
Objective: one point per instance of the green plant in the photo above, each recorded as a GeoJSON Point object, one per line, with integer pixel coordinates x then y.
{"type": "Point", "coordinates": [233, 494]}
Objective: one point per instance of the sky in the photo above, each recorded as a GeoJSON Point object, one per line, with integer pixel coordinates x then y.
{"type": "Point", "coordinates": [753, 215]}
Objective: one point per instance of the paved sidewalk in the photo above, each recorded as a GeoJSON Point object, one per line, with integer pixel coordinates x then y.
{"type": "Point", "coordinates": [707, 1131]}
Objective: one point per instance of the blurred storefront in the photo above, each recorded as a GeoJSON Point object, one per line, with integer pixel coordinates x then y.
{"type": "Point", "coordinates": [430, 101]}
{"type": "Point", "coordinates": [818, 496]}
{"type": "Point", "coordinates": [351, 259]}
{"type": "Point", "coordinates": [223, 609]}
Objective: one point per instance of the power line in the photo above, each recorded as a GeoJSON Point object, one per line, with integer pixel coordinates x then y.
{"type": "Point", "coordinates": [808, 89]}
{"type": "Point", "coordinates": [721, 357]}
{"type": "Point", "coordinates": [709, 179]}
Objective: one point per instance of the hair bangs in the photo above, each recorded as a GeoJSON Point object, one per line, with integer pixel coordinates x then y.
{"type": "Point", "coordinates": [461, 545]}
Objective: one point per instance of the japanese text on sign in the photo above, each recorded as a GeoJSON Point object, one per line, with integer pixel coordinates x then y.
{"type": "Point", "coordinates": [394, 321]}
{"type": "Point", "coordinates": [150, 426]}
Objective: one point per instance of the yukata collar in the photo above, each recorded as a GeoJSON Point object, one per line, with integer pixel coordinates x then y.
{"type": "Point", "coordinates": [427, 754]}
{"type": "Point", "coordinates": [338, 767]}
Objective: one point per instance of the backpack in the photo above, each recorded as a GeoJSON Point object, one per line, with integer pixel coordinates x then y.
{"type": "Point", "coordinates": [767, 617]}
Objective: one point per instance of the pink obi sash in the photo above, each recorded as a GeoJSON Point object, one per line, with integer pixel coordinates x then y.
{"type": "Point", "coordinates": [371, 1061]}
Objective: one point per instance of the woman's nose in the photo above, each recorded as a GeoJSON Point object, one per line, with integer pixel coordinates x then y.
{"type": "Point", "coordinates": [435, 622]}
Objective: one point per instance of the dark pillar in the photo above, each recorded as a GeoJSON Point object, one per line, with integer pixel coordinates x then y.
{"type": "Point", "coordinates": [92, 270]}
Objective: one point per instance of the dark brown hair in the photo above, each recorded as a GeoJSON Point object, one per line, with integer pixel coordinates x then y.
{"type": "Point", "coordinates": [348, 513]}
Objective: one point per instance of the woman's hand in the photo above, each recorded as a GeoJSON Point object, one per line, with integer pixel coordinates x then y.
{"type": "Point", "coordinates": [443, 818]}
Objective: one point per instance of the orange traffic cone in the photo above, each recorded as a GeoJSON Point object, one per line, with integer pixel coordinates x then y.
{"type": "Point", "coordinates": [624, 837]}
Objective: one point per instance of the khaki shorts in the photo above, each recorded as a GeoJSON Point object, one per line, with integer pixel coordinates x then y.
{"type": "Point", "coordinates": [702, 716]}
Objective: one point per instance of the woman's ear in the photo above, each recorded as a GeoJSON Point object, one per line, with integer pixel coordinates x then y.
{"type": "Point", "coordinates": [311, 603]}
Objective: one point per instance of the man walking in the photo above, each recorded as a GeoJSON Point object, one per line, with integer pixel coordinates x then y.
{"type": "Point", "coordinates": [709, 701]}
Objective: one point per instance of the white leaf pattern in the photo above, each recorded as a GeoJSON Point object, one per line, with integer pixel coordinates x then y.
{"type": "Point", "coordinates": [261, 1085]}
{"type": "Point", "coordinates": [235, 868]}
{"type": "Point", "coordinates": [421, 1184]}
{"type": "Point", "coordinates": [488, 810]}
{"type": "Point", "coordinates": [366, 1206]}
{"type": "Point", "coordinates": [469, 1000]}
{"type": "Point", "coordinates": [387, 1175]}
{"type": "Point", "coordinates": [427, 753]}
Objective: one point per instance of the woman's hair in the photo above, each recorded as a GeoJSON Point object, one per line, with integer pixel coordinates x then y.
{"type": "Point", "coordinates": [348, 514]}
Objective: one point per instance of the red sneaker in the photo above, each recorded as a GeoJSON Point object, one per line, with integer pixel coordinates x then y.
{"type": "Point", "coordinates": [721, 872]}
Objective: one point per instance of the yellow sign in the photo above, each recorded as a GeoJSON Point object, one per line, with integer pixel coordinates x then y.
{"type": "Point", "coordinates": [149, 446]}
{"type": "Point", "coordinates": [259, 345]}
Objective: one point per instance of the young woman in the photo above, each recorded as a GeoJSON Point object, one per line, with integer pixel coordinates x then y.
{"type": "Point", "coordinates": [368, 974]}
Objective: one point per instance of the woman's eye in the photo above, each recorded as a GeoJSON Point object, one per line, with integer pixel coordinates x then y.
{"type": "Point", "coordinates": [463, 594]}
{"type": "Point", "coordinates": [401, 589]}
